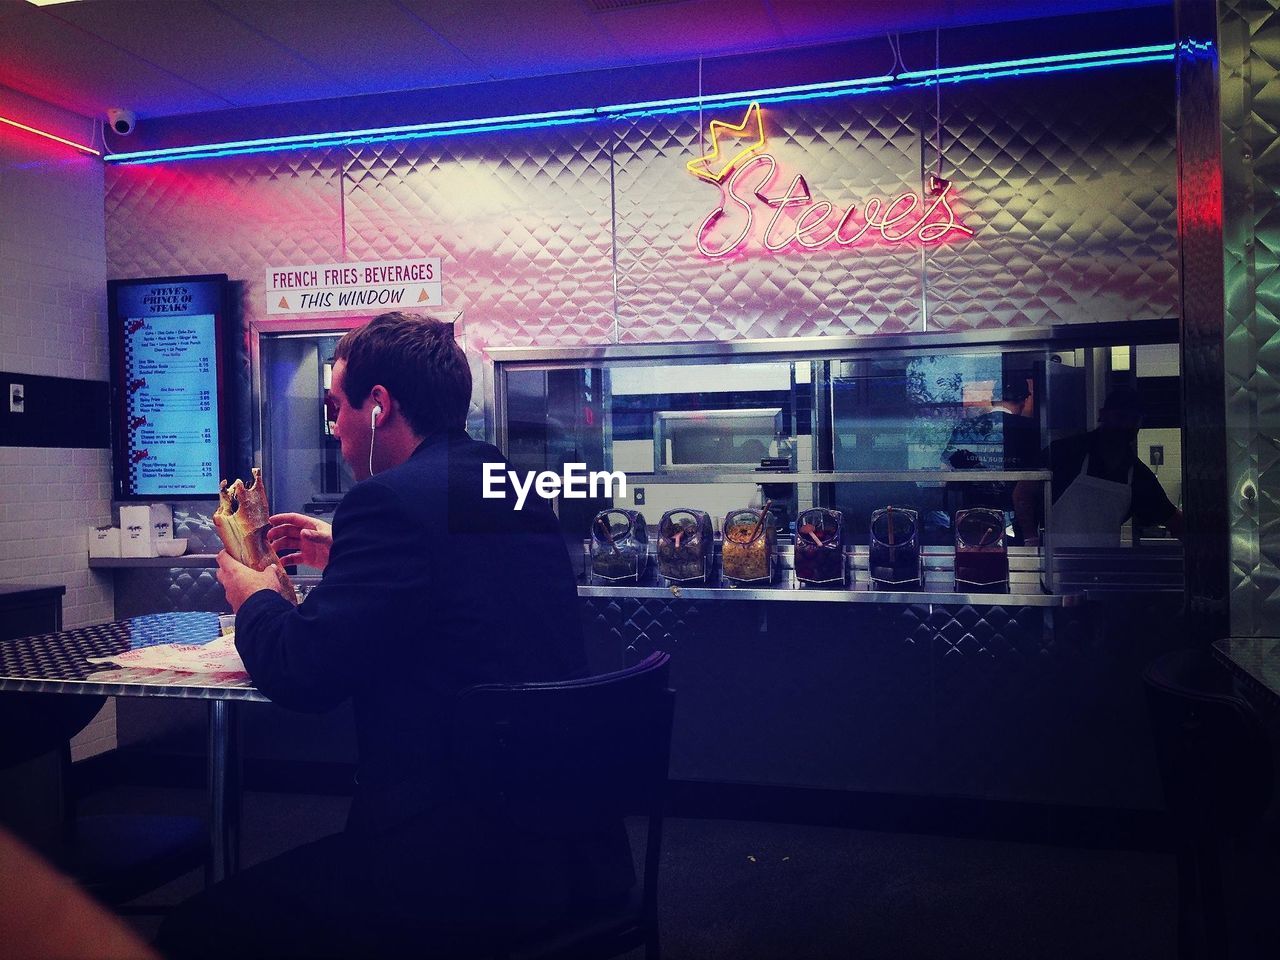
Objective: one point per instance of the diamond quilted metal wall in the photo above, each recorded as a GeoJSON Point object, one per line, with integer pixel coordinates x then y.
{"type": "Point", "coordinates": [1069, 190]}
{"type": "Point", "coordinates": [1248, 31]}
{"type": "Point", "coordinates": [1073, 200]}
{"type": "Point", "coordinates": [846, 150]}
{"type": "Point", "coordinates": [1204, 490]}
{"type": "Point", "coordinates": [522, 220]}
{"type": "Point", "coordinates": [585, 233]}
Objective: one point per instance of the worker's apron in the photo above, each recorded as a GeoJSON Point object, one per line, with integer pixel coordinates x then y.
{"type": "Point", "coordinates": [1089, 513]}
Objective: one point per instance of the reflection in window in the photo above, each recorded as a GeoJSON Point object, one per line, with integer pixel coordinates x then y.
{"type": "Point", "coordinates": [932, 416]}
{"type": "Point", "coordinates": [930, 413]}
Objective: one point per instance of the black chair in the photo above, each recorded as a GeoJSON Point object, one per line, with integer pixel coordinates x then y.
{"type": "Point", "coordinates": [1216, 770]}
{"type": "Point", "coordinates": [114, 857]}
{"type": "Point", "coordinates": [568, 760]}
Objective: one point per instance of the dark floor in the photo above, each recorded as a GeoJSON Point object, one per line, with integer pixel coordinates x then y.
{"type": "Point", "coordinates": [750, 890]}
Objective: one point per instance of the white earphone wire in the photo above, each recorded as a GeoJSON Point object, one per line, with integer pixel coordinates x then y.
{"type": "Point", "coordinates": [373, 433]}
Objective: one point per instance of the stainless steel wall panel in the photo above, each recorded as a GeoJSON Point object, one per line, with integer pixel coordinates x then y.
{"type": "Point", "coordinates": [522, 221]}
{"type": "Point", "coordinates": [1200, 225]}
{"type": "Point", "coordinates": [845, 149]}
{"type": "Point", "coordinates": [1070, 189]}
{"type": "Point", "coordinates": [955, 700]}
{"type": "Point", "coordinates": [235, 216]}
{"type": "Point", "coordinates": [584, 233]}
{"type": "Point", "coordinates": [1067, 187]}
{"type": "Point", "coordinates": [1250, 117]}
{"type": "Point", "coordinates": [143, 590]}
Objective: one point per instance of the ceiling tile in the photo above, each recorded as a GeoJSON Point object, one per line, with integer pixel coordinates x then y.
{"type": "Point", "coordinates": [521, 38]}
{"type": "Point", "coordinates": [198, 42]}
{"type": "Point", "coordinates": [377, 45]}
{"type": "Point", "coordinates": [171, 57]}
{"type": "Point", "coordinates": [709, 28]}
{"type": "Point", "coordinates": [46, 57]}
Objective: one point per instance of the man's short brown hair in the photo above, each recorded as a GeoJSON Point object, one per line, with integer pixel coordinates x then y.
{"type": "Point", "coordinates": [418, 360]}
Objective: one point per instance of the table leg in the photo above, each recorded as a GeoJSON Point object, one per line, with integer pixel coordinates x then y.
{"type": "Point", "coordinates": [224, 792]}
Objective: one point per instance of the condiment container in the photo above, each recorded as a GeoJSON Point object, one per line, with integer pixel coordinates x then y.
{"type": "Point", "coordinates": [819, 554]}
{"type": "Point", "coordinates": [748, 547]}
{"type": "Point", "coordinates": [619, 545]}
{"type": "Point", "coordinates": [895, 548]}
{"type": "Point", "coordinates": [685, 545]}
{"type": "Point", "coordinates": [982, 560]}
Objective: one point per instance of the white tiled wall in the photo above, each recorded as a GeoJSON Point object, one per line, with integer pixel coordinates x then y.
{"type": "Point", "coordinates": [48, 497]}
{"type": "Point", "coordinates": [53, 323]}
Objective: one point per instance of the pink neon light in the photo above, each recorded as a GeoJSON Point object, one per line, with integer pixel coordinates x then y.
{"type": "Point", "coordinates": [903, 218]}
{"type": "Point", "coordinates": [50, 136]}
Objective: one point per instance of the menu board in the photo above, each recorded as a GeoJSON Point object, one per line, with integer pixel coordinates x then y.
{"type": "Point", "coordinates": [170, 425]}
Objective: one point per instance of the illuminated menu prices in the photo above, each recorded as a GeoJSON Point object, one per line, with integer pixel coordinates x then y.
{"type": "Point", "coordinates": [170, 389]}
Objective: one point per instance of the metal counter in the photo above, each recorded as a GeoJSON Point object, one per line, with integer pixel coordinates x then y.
{"type": "Point", "coordinates": [1081, 573]}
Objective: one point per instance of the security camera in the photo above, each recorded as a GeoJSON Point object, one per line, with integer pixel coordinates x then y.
{"type": "Point", "coordinates": [122, 121]}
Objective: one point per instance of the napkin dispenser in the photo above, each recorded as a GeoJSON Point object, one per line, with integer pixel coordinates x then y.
{"type": "Point", "coordinates": [143, 524]}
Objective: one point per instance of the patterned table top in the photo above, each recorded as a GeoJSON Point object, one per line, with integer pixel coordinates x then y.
{"type": "Point", "coordinates": [1257, 657]}
{"type": "Point", "coordinates": [57, 662]}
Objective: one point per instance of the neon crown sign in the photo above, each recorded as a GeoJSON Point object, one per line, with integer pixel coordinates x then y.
{"type": "Point", "coordinates": [745, 180]}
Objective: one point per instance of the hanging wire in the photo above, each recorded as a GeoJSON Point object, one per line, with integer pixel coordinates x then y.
{"type": "Point", "coordinates": [701, 126]}
{"type": "Point", "coordinates": [937, 86]}
{"type": "Point", "coordinates": [895, 44]}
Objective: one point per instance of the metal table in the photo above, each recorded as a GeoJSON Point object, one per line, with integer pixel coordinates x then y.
{"type": "Point", "coordinates": [58, 663]}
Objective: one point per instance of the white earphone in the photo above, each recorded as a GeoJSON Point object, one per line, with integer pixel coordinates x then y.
{"type": "Point", "coordinates": [373, 432]}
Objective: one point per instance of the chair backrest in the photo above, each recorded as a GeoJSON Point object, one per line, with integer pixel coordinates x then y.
{"type": "Point", "coordinates": [570, 757]}
{"type": "Point", "coordinates": [36, 723]}
{"type": "Point", "coordinates": [1214, 756]}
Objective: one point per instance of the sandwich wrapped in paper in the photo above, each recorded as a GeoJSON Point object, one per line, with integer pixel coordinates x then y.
{"type": "Point", "coordinates": [242, 520]}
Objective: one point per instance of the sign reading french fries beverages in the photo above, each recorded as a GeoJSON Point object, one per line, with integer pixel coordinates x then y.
{"type": "Point", "coordinates": [356, 288]}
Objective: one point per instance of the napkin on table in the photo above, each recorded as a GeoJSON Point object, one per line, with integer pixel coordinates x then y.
{"type": "Point", "coordinates": [218, 656]}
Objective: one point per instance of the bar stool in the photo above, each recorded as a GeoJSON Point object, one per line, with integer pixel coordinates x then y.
{"type": "Point", "coordinates": [1216, 770]}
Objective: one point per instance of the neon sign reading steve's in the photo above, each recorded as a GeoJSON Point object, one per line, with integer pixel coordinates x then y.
{"type": "Point", "coordinates": [795, 217]}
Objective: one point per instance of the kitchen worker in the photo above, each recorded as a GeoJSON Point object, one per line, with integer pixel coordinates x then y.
{"type": "Point", "coordinates": [1012, 420]}
{"type": "Point", "coordinates": [1098, 483]}
{"type": "Point", "coordinates": [427, 588]}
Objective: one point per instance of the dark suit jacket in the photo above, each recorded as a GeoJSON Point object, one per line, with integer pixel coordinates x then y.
{"type": "Point", "coordinates": [430, 588]}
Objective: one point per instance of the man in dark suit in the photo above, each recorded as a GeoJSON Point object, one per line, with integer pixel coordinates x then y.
{"type": "Point", "coordinates": [428, 588]}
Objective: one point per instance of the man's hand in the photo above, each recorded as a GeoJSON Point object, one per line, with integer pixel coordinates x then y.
{"type": "Point", "coordinates": [307, 539]}
{"type": "Point", "coordinates": [240, 582]}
